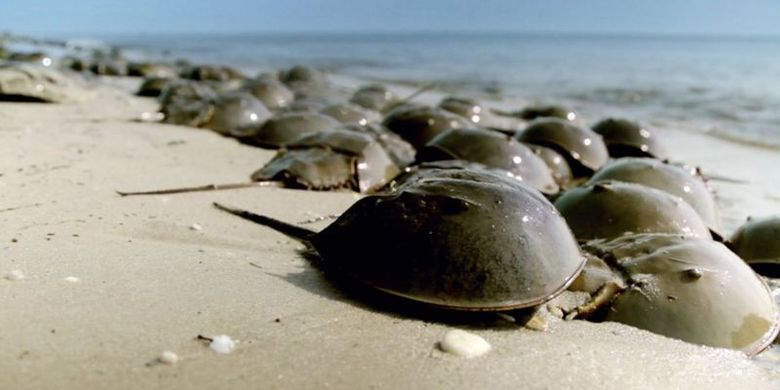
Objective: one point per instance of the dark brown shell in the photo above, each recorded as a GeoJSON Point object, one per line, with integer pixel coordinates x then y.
{"type": "Point", "coordinates": [29, 83]}
{"type": "Point", "coordinates": [109, 67]}
{"type": "Point", "coordinates": [612, 209]}
{"type": "Point", "coordinates": [301, 76]}
{"type": "Point", "coordinates": [331, 160]}
{"type": "Point", "coordinates": [305, 105]}
{"type": "Point", "coordinates": [283, 129]}
{"type": "Point", "coordinates": [626, 138]}
{"type": "Point", "coordinates": [401, 152]}
{"type": "Point", "coordinates": [690, 289]}
{"type": "Point", "coordinates": [459, 239]}
{"type": "Point", "coordinates": [351, 114]}
{"type": "Point", "coordinates": [186, 103]}
{"type": "Point", "coordinates": [151, 70]}
{"type": "Point", "coordinates": [373, 97]}
{"type": "Point", "coordinates": [757, 242]}
{"type": "Point", "coordinates": [153, 86]}
{"type": "Point", "coordinates": [584, 150]}
{"type": "Point", "coordinates": [419, 124]}
{"type": "Point", "coordinates": [233, 112]}
{"type": "Point", "coordinates": [494, 150]}
{"type": "Point", "coordinates": [272, 93]}
{"type": "Point", "coordinates": [469, 109]}
{"type": "Point", "coordinates": [185, 90]}
{"type": "Point", "coordinates": [551, 111]}
{"type": "Point", "coordinates": [556, 162]}
{"type": "Point", "coordinates": [211, 73]}
{"type": "Point", "coordinates": [36, 57]}
{"type": "Point", "coordinates": [671, 178]}
{"type": "Point", "coordinates": [311, 168]}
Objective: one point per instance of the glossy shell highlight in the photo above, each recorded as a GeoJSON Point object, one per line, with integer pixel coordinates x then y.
{"type": "Point", "coordinates": [584, 149]}
{"type": "Point", "coordinates": [671, 178]}
{"type": "Point", "coordinates": [612, 209]}
{"type": "Point", "coordinates": [691, 289]}
{"type": "Point", "coordinates": [494, 150]}
{"type": "Point", "coordinates": [458, 239]}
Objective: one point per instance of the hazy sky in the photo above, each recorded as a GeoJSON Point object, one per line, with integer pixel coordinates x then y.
{"type": "Point", "coordinates": [720, 17]}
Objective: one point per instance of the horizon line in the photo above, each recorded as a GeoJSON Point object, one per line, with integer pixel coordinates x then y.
{"type": "Point", "coordinates": [594, 34]}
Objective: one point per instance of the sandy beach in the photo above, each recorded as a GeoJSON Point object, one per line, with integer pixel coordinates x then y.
{"type": "Point", "coordinates": [110, 282]}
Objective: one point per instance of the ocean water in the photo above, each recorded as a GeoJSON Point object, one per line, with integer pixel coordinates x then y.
{"type": "Point", "coordinates": [723, 85]}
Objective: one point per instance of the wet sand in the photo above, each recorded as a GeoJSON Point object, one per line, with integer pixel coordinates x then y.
{"type": "Point", "coordinates": [149, 280]}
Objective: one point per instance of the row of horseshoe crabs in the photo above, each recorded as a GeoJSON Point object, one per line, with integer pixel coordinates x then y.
{"type": "Point", "coordinates": [466, 238]}
{"type": "Point", "coordinates": [238, 114]}
{"type": "Point", "coordinates": [237, 110]}
{"type": "Point", "coordinates": [646, 225]}
{"type": "Point", "coordinates": [470, 238]}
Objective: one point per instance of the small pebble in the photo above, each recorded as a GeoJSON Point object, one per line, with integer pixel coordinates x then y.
{"type": "Point", "coordinates": [222, 344]}
{"type": "Point", "coordinates": [536, 323]}
{"type": "Point", "coordinates": [14, 275]}
{"type": "Point", "coordinates": [151, 116]}
{"type": "Point", "coordinates": [196, 227]}
{"type": "Point", "coordinates": [168, 357]}
{"type": "Point", "coordinates": [465, 344]}
{"type": "Point", "coordinates": [72, 279]}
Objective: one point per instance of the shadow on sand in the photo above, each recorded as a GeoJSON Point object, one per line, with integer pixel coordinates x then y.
{"type": "Point", "coordinates": [317, 279]}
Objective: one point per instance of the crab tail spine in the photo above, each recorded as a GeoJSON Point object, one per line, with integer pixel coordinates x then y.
{"type": "Point", "coordinates": [207, 187]}
{"type": "Point", "coordinates": [285, 228]}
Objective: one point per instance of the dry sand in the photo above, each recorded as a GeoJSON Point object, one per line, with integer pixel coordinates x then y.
{"type": "Point", "coordinates": [148, 282]}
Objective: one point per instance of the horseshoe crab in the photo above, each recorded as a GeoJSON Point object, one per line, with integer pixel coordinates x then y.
{"type": "Point", "coordinates": [757, 242]}
{"type": "Point", "coordinates": [691, 289]}
{"type": "Point", "coordinates": [272, 93]}
{"type": "Point", "coordinates": [316, 161]}
{"type": "Point", "coordinates": [36, 58]}
{"type": "Point", "coordinates": [305, 105]}
{"type": "Point", "coordinates": [150, 69]}
{"type": "Point", "coordinates": [74, 63]}
{"type": "Point", "coordinates": [626, 138]}
{"type": "Point", "coordinates": [670, 178]}
{"type": "Point", "coordinates": [302, 77]}
{"type": "Point", "coordinates": [230, 113]}
{"type": "Point", "coordinates": [211, 73]}
{"type": "Point", "coordinates": [331, 160]}
{"type": "Point", "coordinates": [556, 162]}
{"type": "Point", "coordinates": [465, 107]}
{"type": "Point", "coordinates": [584, 150]}
{"type": "Point", "coordinates": [109, 67]}
{"type": "Point", "coordinates": [350, 114]}
{"type": "Point", "coordinates": [28, 83]}
{"type": "Point", "coordinates": [186, 103]}
{"type": "Point", "coordinates": [234, 112]}
{"type": "Point", "coordinates": [285, 128]}
{"type": "Point", "coordinates": [494, 150]}
{"type": "Point", "coordinates": [153, 86]}
{"type": "Point", "coordinates": [373, 97]}
{"type": "Point", "coordinates": [401, 152]}
{"type": "Point", "coordinates": [610, 209]}
{"type": "Point", "coordinates": [535, 112]}
{"type": "Point", "coordinates": [551, 111]}
{"type": "Point", "coordinates": [418, 124]}
{"type": "Point", "coordinates": [456, 239]}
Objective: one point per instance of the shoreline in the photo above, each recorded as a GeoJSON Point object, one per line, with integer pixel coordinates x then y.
{"type": "Point", "coordinates": [709, 103]}
{"type": "Point", "coordinates": [149, 281]}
